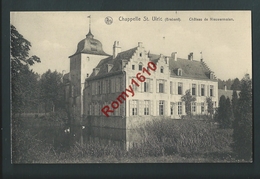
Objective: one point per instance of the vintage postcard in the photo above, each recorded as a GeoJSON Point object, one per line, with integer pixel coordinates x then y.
{"type": "Point", "coordinates": [131, 87]}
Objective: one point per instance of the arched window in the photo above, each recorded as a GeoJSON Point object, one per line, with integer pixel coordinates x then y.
{"type": "Point", "coordinates": [161, 70]}
{"type": "Point", "coordinates": [179, 72]}
{"type": "Point", "coordinates": [140, 66]}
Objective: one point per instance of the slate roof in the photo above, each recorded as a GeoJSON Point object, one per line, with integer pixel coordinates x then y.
{"type": "Point", "coordinates": [190, 69]}
{"type": "Point", "coordinates": [117, 63]}
{"type": "Point", "coordinates": [89, 45]}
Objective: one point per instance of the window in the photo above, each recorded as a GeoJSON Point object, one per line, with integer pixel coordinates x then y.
{"type": "Point", "coordinates": [193, 107]}
{"type": "Point", "coordinates": [179, 108]}
{"type": "Point", "coordinates": [202, 90]}
{"type": "Point", "coordinates": [135, 88]}
{"type": "Point", "coordinates": [93, 109]}
{"type": "Point", "coordinates": [133, 67]}
{"type": "Point", "coordinates": [90, 109]}
{"type": "Point", "coordinates": [118, 83]}
{"type": "Point", "coordinates": [104, 85]}
{"type": "Point", "coordinates": [171, 92]}
{"type": "Point", "coordinates": [211, 90]}
{"type": "Point", "coordinates": [108, 82]}
{"type": "Point", "coordinates": [161, 107]}
{"type": "Point", "coordinates": [112, 83]}
{"type": "Point", "coordinates": [72, 90]}
{"type": "Point", "coordinates": [117, 111]}
{"type": "Point", "coordinates": [211, 76]}
{"type": "Point", "coordinates": [161, 87]}
{"type": "Point", "coordinates": [179, 72]}
{"type": "Point", "coordinates": [146, 86]}
{"type": "Point", "coordinates": [202, 107]}
{"type": "Point", "coordinates": [161, 69]}
{"type": "Point", "coordinates": [93, 88]}
{"type": "Point", "coordinates": [179, 88]}
{"type": "Point", "coordinates": [140, 54]}
{"type": "Point", "coordinates": [134, 107]}
{"type": "Point", "coordinates": [140, 66]}
{"type": "Point", "coordinates": [193, 89]}
{"type": "Point", "coordinates": [99, 87]}
{"type": "Point", "coordinates": [172, 108]}
{"type": "Point", "coordinates": [146, 107]}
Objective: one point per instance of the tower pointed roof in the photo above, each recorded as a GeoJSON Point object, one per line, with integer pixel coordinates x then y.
{"type": "Point", "coordinates": [89, 45]}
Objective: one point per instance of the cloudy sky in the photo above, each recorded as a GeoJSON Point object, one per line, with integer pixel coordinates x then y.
{"type": "Point", "coordinates": [225, 45]}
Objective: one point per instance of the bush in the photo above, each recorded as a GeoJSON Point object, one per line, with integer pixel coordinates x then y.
{"type": "Point", "coordinates": [185, 137]}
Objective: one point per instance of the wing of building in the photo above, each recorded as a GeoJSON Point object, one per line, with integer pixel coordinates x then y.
{"type": "Point", "coordinates": [97, 79]}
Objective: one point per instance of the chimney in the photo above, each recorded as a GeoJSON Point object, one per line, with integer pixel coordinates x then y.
{"type": "Point", "coordinates": [96, 70]}
{"type": "Point", "coordinates": [166, 60]}
{"type": "Point", "coordinates": [87, 75]}
{"type": "Point", "coordinates": [116, 49]}
{"type": "Point", "coordinates": [201, 57]}
{"type": "Point", "coordinates": [190, 56]}
{"type": "Point", "coordinates": [140, 44]}
{"type": "Point", "coordinates": [174, 56]}
{"type": "Point", "coordinates": [225, 87]}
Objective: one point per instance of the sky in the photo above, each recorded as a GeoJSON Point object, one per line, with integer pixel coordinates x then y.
{"type": "Point", "coordinates": [225, 45]}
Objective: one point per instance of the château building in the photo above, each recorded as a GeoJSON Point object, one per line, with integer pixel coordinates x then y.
{"type": "Point", "coordinates": [99, 82]}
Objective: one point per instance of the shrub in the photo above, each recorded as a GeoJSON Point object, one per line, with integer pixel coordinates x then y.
{"type": "Point", "coordinates": [185, 137]}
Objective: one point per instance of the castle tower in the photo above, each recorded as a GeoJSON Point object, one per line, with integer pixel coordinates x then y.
{"type": "Point", "coordinates": [88, 54]}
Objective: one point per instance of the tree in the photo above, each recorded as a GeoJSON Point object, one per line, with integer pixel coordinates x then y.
{"type": "Point", "coordinates": [188, 99]}
{"type": "Point", "coordinates": [52, 93]}
{"type": "Point", "coordinates": [210, 106]}
{"type": "Point", "coordinates": [222, 110]}
{"type": "Point", "coordinates": [242, 134]}
{"type": "Point", "coordinates": [21, 75]}
{"type": "Point", "coordinates": [228, 114]}
{"type": "Point", "coordinates": [235, 85]}
{"type": "Point", "coordinates": [234, 104]}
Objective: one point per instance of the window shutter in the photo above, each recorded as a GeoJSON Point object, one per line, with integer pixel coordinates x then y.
{"type": "Point", "coordinates": [165, 90]}
{"type": "Point", "coordinates": [208, 90]}
{"type": "Point", "coordinates": [142, 87]}
{"type": "Point", "coordinates": [183, 108]}
{"type": "Point", "coordinates": [157, 86]}
{"type": "Point", "coordinates": [151, 85]}
{"type": "Point", "coordinates": [165, 108]}
{"type": "Point", "coordinates": [190, 88]}
{"type": "Point", "coordinates": [141, 107]}
{"type": "Point", "coordinates": [151, 108]}
{"type": "Point", "coordinates": [199, 93]}
{"type": "Point", "coordinates": [130, 107]}
{"type": "Point", "coordinates": [214, 90]}
{"type": "Point", "coordinates": [171, 87]}
{"type": "Point", "coordinates": [174, 88]}
{"type": "Point", "coordinates": [157, 108]}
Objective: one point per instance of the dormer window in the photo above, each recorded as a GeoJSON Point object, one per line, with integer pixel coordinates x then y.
{"type": "Point", "coordinates": [109, 67]}
{"type": "Point", "coordinates": [140, 66]}
{"type": "Point", "coordinates": [124, 62]}
{"type": "Point", "coordinates": [211, 75]}
{"type": "Point", "coordinates": [161, 70]}
{"type": "Point", "coordinates": [179, 72]}
{"type": "Point", "coordinates": [96, 70]}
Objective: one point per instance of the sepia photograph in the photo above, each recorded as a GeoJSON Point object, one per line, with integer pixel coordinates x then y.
{"type": "Point", "coordinates": [131, 87]}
